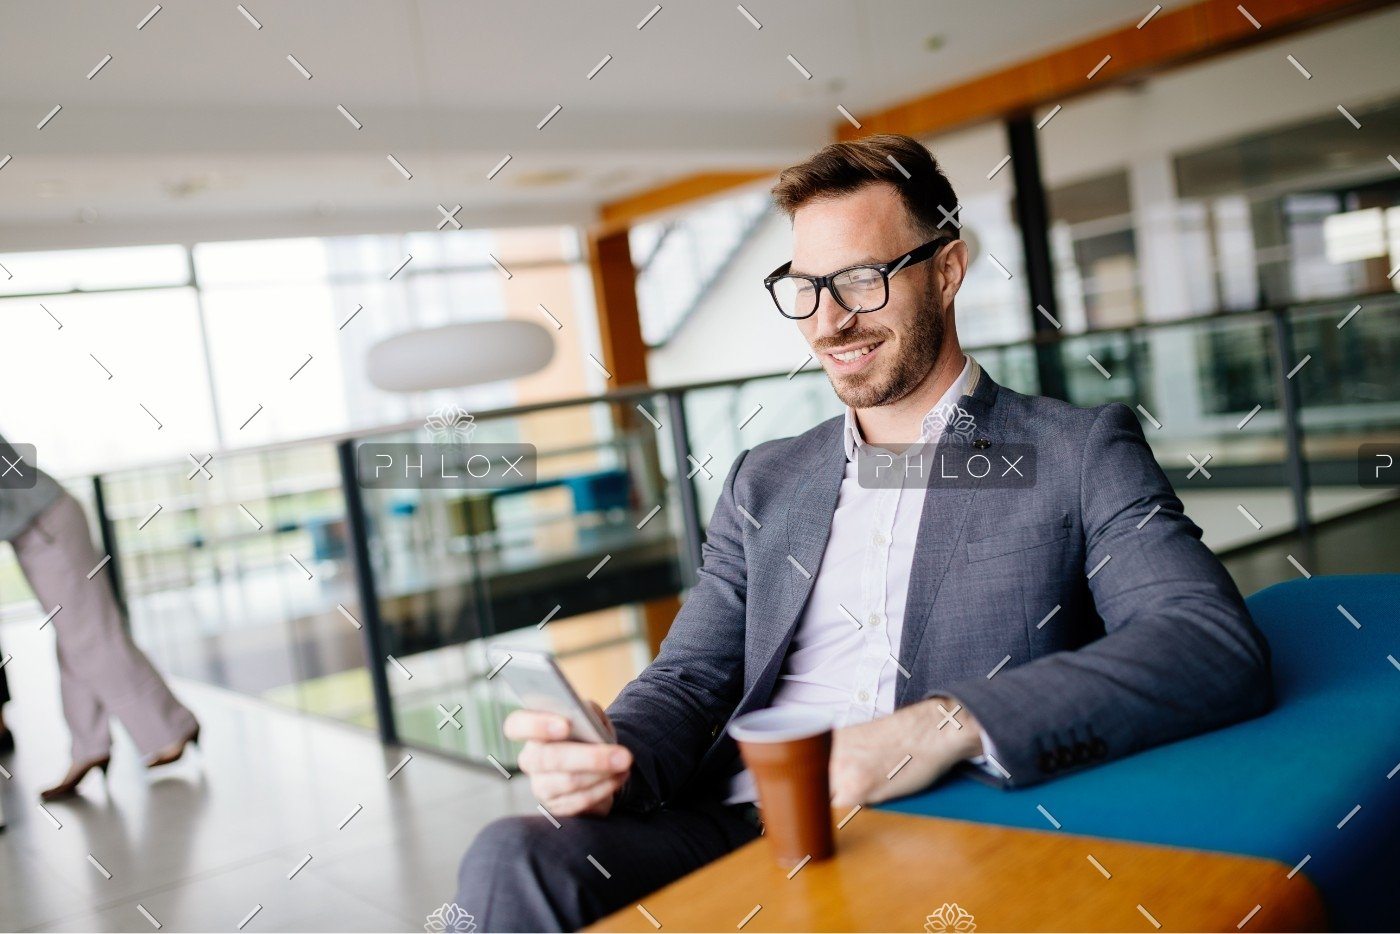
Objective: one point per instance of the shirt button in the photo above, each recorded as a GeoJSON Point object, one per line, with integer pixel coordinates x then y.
{"type": "Point", "coordinates": [874, 619]}
{"type": "Point", "coordinates": [879, 538]}
{"type": "Point", "coordinates": [863, 696]}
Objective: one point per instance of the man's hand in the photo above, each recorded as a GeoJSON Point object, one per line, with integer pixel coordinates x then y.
{"type": "Point", "coordinates": [864, 755]}
{"type": "Point", "coordinates": [567, 777]}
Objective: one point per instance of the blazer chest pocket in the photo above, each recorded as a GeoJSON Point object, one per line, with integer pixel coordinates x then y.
{"type": "Point", "coordinates": [1022, 538]}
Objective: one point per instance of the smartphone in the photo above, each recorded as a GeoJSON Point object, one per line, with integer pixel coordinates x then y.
{"type": "Point", "coordinates": [537, 682]}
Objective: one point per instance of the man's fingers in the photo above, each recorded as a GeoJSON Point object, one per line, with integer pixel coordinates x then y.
{"type": "Point", "coordinates": [574, 757]}
{"type": "Point", "coordinates": [555, 784]}
{"type": "Point", "coordinates": [525, 725]}
{"type": "Point", "coordinates": [577, 802]}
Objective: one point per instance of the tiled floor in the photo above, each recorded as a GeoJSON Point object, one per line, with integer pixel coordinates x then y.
{"type": "Point", "coordinates": [204, 841]}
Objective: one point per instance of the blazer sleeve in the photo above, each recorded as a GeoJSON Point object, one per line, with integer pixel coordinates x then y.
{"type": "Point", "coordinates": [1180, 654]}
{"type": "Point", "coordinates": [668, 715]}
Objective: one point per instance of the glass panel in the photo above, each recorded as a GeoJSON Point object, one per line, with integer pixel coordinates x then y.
{"type": "Point", "coordinates": [238, 577]}
{"type": "Point", "coordinates": [1212, 389]}
{"type": "Point", "coordinates": [728, 419]}
{"type": "Point", "coordinates": [1349, 391]}
{"type": "Point", "coordinates": [573, 562]}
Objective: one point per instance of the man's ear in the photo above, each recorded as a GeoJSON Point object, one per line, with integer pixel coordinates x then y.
{"type": "Point", "coordinates": [951, 264]}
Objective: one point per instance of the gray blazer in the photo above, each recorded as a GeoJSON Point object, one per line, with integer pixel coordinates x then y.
{"type": "Point", "coordinates": [1155, 646]}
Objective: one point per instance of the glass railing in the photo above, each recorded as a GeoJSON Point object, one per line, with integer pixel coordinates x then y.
{"type": "Point", "coordinates": [272, 572]}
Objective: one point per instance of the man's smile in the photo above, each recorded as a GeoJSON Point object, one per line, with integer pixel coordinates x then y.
{"type": "Point", "coordinates": [853, 357]}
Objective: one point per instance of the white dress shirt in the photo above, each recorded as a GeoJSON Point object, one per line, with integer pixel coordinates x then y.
{"type": "Point", "coordinates": [850, 671]}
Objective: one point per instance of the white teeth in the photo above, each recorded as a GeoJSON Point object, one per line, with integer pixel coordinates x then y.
{"type": "Point", "coordinates": [850, 355]}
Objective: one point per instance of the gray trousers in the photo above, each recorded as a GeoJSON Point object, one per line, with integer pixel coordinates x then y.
{"type": "Point", "coordinates": [101, 672]}
{"type": "Point", "coordinates": [523, 874]}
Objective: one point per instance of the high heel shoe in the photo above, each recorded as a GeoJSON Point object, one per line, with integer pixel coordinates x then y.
{"type": "Point", "coordinates": [69, 786]}
{"type": "Point", "coordinates": [171, 753]}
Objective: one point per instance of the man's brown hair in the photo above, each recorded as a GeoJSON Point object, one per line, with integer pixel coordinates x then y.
{"type": "Point", "coordinates": [841, 168]}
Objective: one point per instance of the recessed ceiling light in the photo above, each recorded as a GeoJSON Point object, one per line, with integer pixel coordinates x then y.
{"type": "Point", "coordinates": [935, 42]}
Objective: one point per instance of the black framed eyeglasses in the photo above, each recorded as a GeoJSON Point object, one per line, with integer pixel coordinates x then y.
{"type": "Point", "coordinates": [861, 288]}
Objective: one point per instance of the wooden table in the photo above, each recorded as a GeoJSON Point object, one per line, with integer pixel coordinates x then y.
{"type": "Point", "coordinates": [892, 872]}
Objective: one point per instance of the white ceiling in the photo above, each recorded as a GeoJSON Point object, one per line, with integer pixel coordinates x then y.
{"type": "Point", "coordinates": [200, 128]}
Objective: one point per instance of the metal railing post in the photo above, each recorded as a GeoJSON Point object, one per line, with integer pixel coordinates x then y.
{"type": "Point", "coordinates": [1290, 408]}
{"type": "Point", "coordinates": [109, 547]}
{"type": "Point", "coordinates": [692, 528]}
{"type": "Point", "coordinates": [371, 624]}
{"type": "Point", "coordinates": [1033, 219]}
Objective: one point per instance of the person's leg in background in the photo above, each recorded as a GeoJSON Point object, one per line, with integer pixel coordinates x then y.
{"type": "Point", "coordinates": [523, 873]}
{"type": "Point", "coordinates": [101, 671]}
{"type": "Point", "coordinates": [7, 739]}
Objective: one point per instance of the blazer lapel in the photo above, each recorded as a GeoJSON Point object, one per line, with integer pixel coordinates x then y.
{"type": "Point", "coordinates": [941, 528]}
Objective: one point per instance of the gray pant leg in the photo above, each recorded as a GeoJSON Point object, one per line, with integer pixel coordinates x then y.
{"type": "Point", "coordinates": [524, 874]}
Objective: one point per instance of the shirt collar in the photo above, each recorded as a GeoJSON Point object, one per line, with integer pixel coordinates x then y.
{"type": "Point", "coordinates": [934, 420]}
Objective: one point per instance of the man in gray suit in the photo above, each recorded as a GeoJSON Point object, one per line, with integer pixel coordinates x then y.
{"type": "Point", "coordinates": [1019, 631]}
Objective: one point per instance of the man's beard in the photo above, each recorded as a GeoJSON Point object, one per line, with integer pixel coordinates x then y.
{"type": "Point", "coordinates": [920, 346]}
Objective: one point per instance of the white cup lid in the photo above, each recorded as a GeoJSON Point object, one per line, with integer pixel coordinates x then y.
{"type": "Point", "coordinates": [779, 725]}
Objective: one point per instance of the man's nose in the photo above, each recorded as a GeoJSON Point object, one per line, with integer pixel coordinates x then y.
{"type": "Point", "coordinates": [831, 317]}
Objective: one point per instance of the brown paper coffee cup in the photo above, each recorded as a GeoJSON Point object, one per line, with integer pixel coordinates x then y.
{"type": "Point", "coordinates": [788, 751]}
